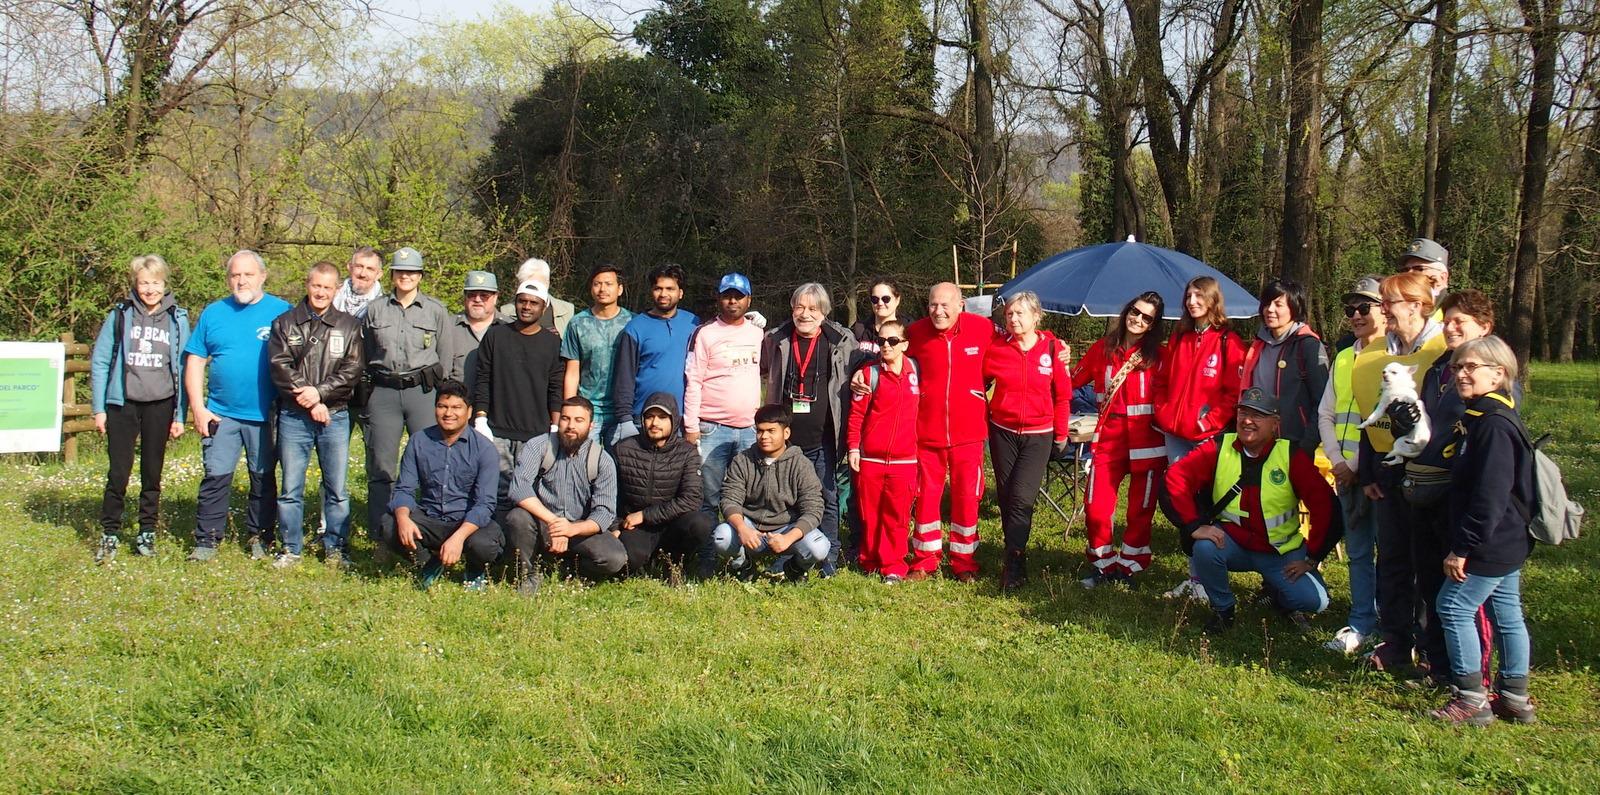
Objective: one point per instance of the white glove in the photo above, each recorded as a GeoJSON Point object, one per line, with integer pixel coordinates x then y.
{"type": "Point", "coordinates": [481, 425]}
{"type": "Point", "coordinates": [757, 318]}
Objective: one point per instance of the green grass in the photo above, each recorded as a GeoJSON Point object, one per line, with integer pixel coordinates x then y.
{"type": "Point", "coordinates": [156, 675]}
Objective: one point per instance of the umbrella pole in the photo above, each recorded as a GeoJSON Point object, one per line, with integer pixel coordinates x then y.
{"type": "Point", "coordinates": [955, 264]}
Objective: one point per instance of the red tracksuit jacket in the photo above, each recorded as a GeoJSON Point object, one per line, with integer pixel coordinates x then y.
{"type": "Point", "coordinates": [1131, 410]}
{"type": "Point", "coordinates": [950, 364]}
{"type": "Point", "coordinates": [1032, 391]}
{"type": "Point", "coordinates": [883, 424]}
{"type": "Point", "coordinates": [1198, 383]}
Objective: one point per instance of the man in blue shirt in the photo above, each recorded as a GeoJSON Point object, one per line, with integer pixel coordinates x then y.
{"type": "Point", "coordinates": [443, 503]}
{"type": "Point", "coordinates": [652, 351]}
{"type": "Point", "coordinates": [233, 408]}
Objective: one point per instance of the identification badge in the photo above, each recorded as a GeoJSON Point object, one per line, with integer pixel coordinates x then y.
{"type": "Point", "coordinates": [801, 407]}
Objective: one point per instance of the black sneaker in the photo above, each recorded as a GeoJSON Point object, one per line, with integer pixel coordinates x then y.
{"type": "Point", "coordinates": [106, 550]}
{"type": "Point", "coordinates": [1014, 571]}
{"type": "Point", "coordinates": [145, 545]}
{"type": "Point", "coordinates": [1220, 621]}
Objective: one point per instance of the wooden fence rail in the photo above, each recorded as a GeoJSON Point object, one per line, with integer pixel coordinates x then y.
{"type": "Point", "coordinates": [76, 417]}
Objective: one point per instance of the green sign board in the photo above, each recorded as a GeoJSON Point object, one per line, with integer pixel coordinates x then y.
{"type": "Point", "coordinates": [30, 396]}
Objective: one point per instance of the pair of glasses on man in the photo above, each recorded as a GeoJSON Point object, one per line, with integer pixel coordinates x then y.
{"type": "Point", "coordinates": [880, 299]}
{"type": "Point", "coordinates": [1362, 309]}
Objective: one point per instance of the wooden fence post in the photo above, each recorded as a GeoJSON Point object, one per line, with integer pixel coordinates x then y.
{"type": "Point", "coordinates": [75, 416]}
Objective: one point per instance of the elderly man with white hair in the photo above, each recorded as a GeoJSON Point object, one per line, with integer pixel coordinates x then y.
{"type": "Point", "coordinates": [558, 314]}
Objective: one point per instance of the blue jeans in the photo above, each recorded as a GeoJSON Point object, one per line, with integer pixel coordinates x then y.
{"type": "Point", "coordinates": [826, 461]}
{"type": "Point", "coordinates": [219, 452]}
{"type": "Point", "coordinates": [1458, 610]}
{"type": "Point", "coordinates": [1307, 594]}
{"type": "Point", "coordinates": [718, 446]}
{"type": "Point", "coordinates": [1360, 544]}
{"type": "Point", "coordinates": [297, 434]}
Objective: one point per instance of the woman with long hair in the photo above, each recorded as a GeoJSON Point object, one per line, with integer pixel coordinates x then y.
{"type": "Point", "coordinates": [883, 305]}
{"type": "Point", "coordinates": [1122, 365]}
{"type": "Point", "coordinates": [1197, 385]}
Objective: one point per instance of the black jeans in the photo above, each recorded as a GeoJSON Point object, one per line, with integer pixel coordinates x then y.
{"type": "Point", "coordinates": [677, 537]}
{"type": "Point", "coordinates": [1399, 603]}
{"type": "Point", "coordinates": [599, 557]}
{"type": "Point", "coordinates": [125, 425]}
{"type": "Point", "coordinates": [1019, 462]}
{"type": "Point", "coordinates": [1429, 529]}
{"type": "Point", "coordinates": [480, 549]}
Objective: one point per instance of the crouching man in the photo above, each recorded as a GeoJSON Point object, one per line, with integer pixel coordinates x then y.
{"type": "Point", "coordinates": [443, 503]}
{"type": "Point", "coordinates": [564, 491]}
{"type": "Point", "coordinates": [658, 485]}
{"type": "Point", "coordinates": [1252, 483]}
{"type": "Point", "coordinates": [773, 502]}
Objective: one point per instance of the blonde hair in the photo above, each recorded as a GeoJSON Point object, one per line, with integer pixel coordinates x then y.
{"type": "Point", "coordinates": [1410, 286]}
{"type": "Point", "coordinates": [1211, 292]}
{"type": "Point", "coordinates": [1489, 350]}
{"type": "Point", "coordinates": [151, 264]}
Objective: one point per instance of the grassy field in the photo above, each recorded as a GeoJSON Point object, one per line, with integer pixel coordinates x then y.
{"type": "Point", "coordinates": [157, 675]}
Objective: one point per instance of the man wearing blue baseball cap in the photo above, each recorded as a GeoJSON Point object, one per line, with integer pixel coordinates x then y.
{"type": "Point", "coordinates": [723, 386]}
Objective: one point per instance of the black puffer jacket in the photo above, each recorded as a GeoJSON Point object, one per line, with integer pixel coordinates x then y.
{"type": "Point", "coordinates": [663, 482]}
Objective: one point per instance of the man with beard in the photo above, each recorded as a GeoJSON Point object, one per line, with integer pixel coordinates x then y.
{"type": "Point", "coordinates": [564, 493]}
{"type": "Point", "coordinates": [364, 284]}
{"type": "Point", "coordinates": [518, 382]}
{"type": "Point", "coordinates": [658, 490]}
{"type": "Point", "coordinates": [477, 317]}
{"type": "Point", "coordinates": [589, 348]}
{"type": "Point", "coordinates": [232, 409]}
{"type": "Point", "coordinates": [652, 350]}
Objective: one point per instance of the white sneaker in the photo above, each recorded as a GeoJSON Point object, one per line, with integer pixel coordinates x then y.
{"type": "Point", "coordinates": [1188, 589]}
{"type": "Point", "coordinates": [286, 561]}
{"type": "Point", "coordinates": [1346, 641]}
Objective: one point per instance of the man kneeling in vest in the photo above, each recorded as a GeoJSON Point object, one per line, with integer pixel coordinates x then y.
{"type": "Point", "coordinates": [773, 502]}
{"type": "Point", "coordinates": [1251, 483]}
{"type": "Point", "coordinates": [565, 494]}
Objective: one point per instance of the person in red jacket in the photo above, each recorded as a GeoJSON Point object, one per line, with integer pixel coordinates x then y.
{"type": "Point", "coordinates": [1028, 416]}
{"type": "Point", "coordinates": [882, 440]}
{"type": "Point", "coordinates": [1122, 366]}
{"type": "Point", "coordinates": [1198, 384]}
{"type": "Point", "coordinates": [948, 346]}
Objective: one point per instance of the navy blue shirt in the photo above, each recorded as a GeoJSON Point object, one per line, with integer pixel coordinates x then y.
{"type": "Point", "coordinates": [453, 483]}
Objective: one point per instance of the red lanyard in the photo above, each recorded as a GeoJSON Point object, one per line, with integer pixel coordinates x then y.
{"type": "Point", "coordinates": [800, 364]}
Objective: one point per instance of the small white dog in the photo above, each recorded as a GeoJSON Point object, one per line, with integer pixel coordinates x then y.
{"type": "Point", "coordinates": [1398, 387]}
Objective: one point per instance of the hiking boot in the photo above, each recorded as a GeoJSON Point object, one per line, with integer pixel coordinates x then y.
{"type": "Point", "coordinates": [1511, 700]}
{"type": "Point", "coordinates": [476, 583]}
{"type": "Point", "coordinates": [336, 559]}
{"type": "Point", "coordinates": [1469, 704]}
{"type": "Point", "coordinates": [529, 585]}
{"type": "Point", "coordinates": [1389, 659]}
{"type": "Point", "coordinates": [1188, 589]}
{"type": "Point", "coordinates": [106, 550]}
{"type": "Point", "coordinates": [429, 574]}
{"type": "Point", "coordinates": [257, 550]}
{"type": "Point", "coordinates": [1014, 572]}
{"type": "Point", "coordinates": [1346, 641]}
{"type": "Point", "coordinates": [203, 554]}
{"type": "Point", "coordinates": [145, 545]}
{"type": "Point", "coordinates": [1220, 621]}
{"type": "Point", "coordinates": [1096, 580]}
{"type": "Point", "coordinates": [287, 560]}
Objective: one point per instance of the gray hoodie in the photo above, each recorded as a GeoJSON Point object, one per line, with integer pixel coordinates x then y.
{"type": "Point", "coordinates": [772, 493]}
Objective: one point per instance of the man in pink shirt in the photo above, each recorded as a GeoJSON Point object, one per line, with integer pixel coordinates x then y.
{"type": "Point", "coordinates": [722, 386]}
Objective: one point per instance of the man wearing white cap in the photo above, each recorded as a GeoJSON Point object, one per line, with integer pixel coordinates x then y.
{"type": "Point", "coordinates": [517, 389]}
{"type": "Point", "coordinates": [557, 313]}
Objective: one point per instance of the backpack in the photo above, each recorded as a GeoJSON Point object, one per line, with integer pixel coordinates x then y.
{"type": "Point", "coordinates": [872, 373]}
{"type": "Point", "coordinates": [1554, 517]}
{"type": "Point", "coordinates": [549, 461]}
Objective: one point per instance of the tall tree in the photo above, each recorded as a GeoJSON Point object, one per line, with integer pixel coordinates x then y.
{"type": "Point", "coordinates": [1303, 166]}
{"type": "Point", "coordinates": [1542, 21]}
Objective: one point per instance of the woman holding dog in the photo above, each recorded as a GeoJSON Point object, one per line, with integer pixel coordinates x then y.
{"type": "Point", "coordinates": [1413, 340]}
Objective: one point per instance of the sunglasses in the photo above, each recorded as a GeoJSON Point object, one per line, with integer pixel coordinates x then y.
{"type": "Point", "coordinates": [1134, 314]}
{"type": "Point", "coordinates": [880, 299]}
{"type": "Point", "coordinates": [891, 342]}
{"type": "Point", "coordinates": [1363, 309]}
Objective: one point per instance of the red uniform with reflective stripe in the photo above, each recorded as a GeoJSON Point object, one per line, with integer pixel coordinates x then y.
{"type": "Point", "coordinates": [1032, 391]}
{"type": "Point", "coordinates": [952, 424]}
{"type": "Point", "coordinates": [1126, 443]}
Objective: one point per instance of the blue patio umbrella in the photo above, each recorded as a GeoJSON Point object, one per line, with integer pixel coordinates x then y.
{"type": "Point", "coordinates": [1099, 280]}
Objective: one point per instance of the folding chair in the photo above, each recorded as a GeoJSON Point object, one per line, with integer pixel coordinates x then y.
{"type": "Point", "coordinates": [1066, 477]}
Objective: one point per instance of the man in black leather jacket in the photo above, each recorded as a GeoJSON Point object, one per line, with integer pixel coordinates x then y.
{"type": "Point", "coordinates": [315, 359]}
{"type": "Point", "coordinates": [658, 491]}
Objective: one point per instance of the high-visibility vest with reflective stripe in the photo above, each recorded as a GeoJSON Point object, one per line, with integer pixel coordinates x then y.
{"type": "Point", "coordinates": [1279, 505]}
{"type": "Point", "coordinates": [1367, 381]}
{"type": "Point", "coordinates": [1345, 416]}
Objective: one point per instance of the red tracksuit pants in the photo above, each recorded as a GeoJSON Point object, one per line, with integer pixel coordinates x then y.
{"type": "Point", "coordinates": [962, 465]}
{"type": "Point", "coordinates": [885, 492]}
{"type": "Point", "coordinates": [1106, 473]}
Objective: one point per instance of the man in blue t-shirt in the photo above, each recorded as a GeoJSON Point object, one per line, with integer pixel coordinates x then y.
{"type": "Point", "coordinates": [651, 351]}
{"type": "Point", "coordinates": [233, 408]}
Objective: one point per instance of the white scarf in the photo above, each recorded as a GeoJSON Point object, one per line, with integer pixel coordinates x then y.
{"type": "Point", "coordinates": [346, 300]}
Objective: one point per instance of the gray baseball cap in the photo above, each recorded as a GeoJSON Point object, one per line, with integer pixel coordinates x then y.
{"type": "Point", "coordinates": [406, 259]}
{"type": "Point", "coordinates": [481, 282]}
{"type": "Point", "coordinates": [1366, 287]}
{"type": "Point", "coordinates": [1256, 399]}
{"type": "Point", "coordinates": [1427, 251]}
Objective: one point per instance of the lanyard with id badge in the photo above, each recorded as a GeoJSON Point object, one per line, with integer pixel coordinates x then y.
{"type": "Point", "coordinates": [799, 400]}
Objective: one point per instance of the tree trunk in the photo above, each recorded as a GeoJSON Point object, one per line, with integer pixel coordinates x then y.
{"type": "Point", "coordinates": [1214, 146]}
{"type": "Point", "coordinates": [1304, 163]}
{"type": "Point", "coordinates": [1441, 100]}
{"type": "Point", "coordinates": [1172, 162]}
{"type": "Point", "coordinates": [1541, 18]}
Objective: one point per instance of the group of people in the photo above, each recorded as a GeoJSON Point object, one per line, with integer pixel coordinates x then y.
{"type": "Point", "coordinates": [604, 440]}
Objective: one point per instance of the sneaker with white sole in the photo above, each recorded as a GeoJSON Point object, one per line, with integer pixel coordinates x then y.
{"type": "Point", "coordinates": [145, 545]}
{"type": "Point", "coordinates": [1188, 589]}
{"type": "Point", "coordinates": [106, 550]}
{"type": "Point", "coordinates": [286, 560]}
{"type": "Point", "coordinates": [1346, 641]}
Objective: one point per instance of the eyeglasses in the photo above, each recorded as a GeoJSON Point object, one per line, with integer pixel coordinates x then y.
{"type": "Point", "coordinates": [880, 299]}
{"type": "Point", "coordinates": [1472, 367]}
{"type": "Point", "coordinates": [1393, 301]}
{"type": "Point", "coordinates": [1362, 309]}
{"type": "Point", "coordinates": [890, 342]}
{"type": "Point", "coordinates": [1134, 314]}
